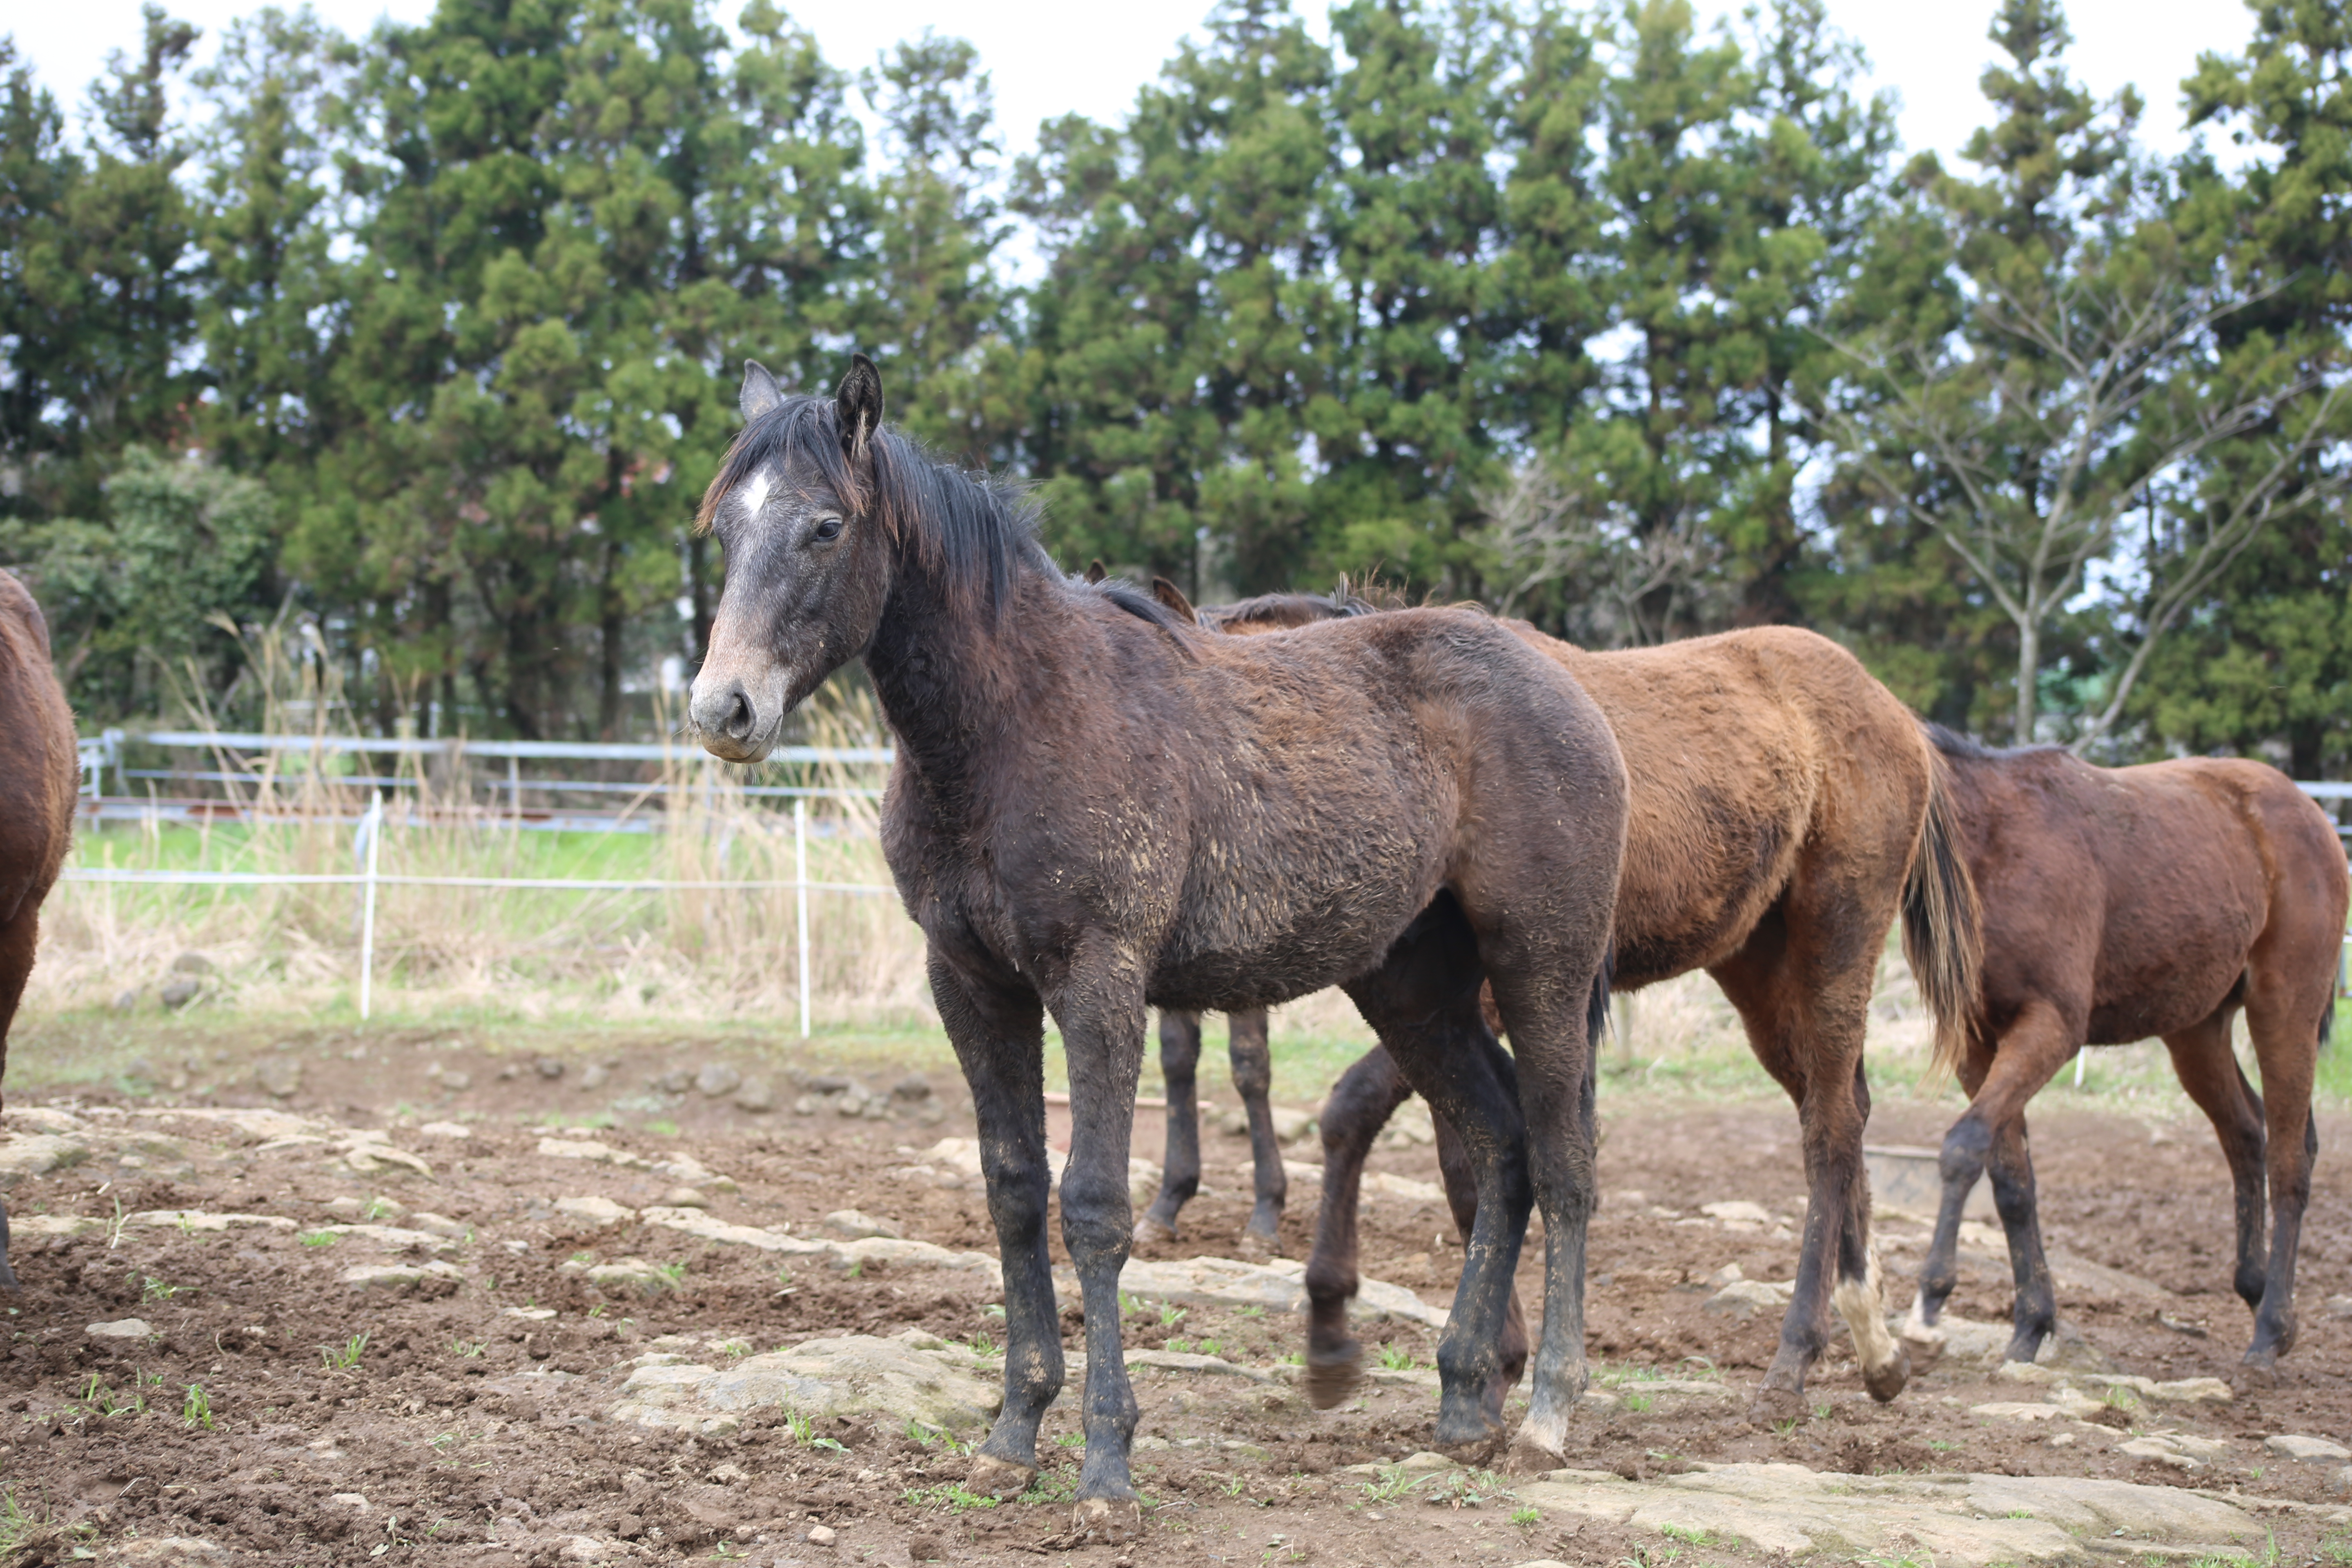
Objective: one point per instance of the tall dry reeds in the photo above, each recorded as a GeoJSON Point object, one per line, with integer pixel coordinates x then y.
{"type": "Point", "coordinates": [694, 952]}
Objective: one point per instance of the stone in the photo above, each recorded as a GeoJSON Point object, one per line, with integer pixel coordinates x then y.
{"type": "Point", "coordinates": [586, 1149]}
{"type": "Point", "coordinates": [280, 1076]}
{"type": "Point", "coordinates": [121, 1328]}
{"type": "Point", "coordinates": [2305, 1450]}
{"type": "Point", "coordinates": [1290, 1125]}
{"type": "Point", "coordinates": [197, 1219]}
{"type": "Point", "coordinates": [912, 1088]}
{"type": "Point", "coordinates": [457, 1080]}
{"type": "Point", "coordinates": [37, 1154]}
{"type": "Point", "coordinates": [819, 1535]}
{"type": "Point", "coordinates": [718, 1080]}
{"type": "Point", "coordinates": [675, 1081]}
{"type": "Point", "coordinates": [2017, 1410]}
{"type": "Point", "coordinates": [2341, 1482]}
{"type": "Point", "coordinates": [447, 1131]}
{"type": "Point", "coordinates": [910, 1376]}
{"type": "Point", "coordinates": [127, 1001]}
{"type": "Point", "coordinates": [345, 1207]}
{"type": "Point", "coordinates": [1745, 1297]}
{"type": "Point", "coordinates": [548, 1068]}
{"type": "Point", "coordinates": [855, 1225]}
{"type": "Point", "coordinates": [1277, 1284]}
{"type": "Point", "coordinates": [625, 1274]}
{"type": "Point", "coordinates": [441, 1224]}
{"type": "Point", "coordinates": [1964, 1521]}
{"type": "Point", "coordinates": [2026, 1371]}
{"type": "Point", "coordinates": [1738, 1211]}
{"type": "Point", "coordinates": [167, 1552]}
{"type": "Point", "coordinates": [1374, 1182]}
{"type": "Point", "coordinates": [47, 1119]}
{"type": "Point", "coordinates": [595, 1211]}
{"type": "Point", "coordinates": [192, 963]}
{"type": "Point", "coordinates": [596, 1075]}
{"type": "Point", "coordinates": [756, 1095]}
{"type": "Point", "coordinates": [178, 992]}
{"type": "Point", "coordinates": [437, 1277]}
{"type": "Point", "coordinates": [2190, 1390]}
{"type": "Point", "coordinates": [1426, 1460]}
{"type": "Point", "coordinates": [2338, 1306]}
{"type": "Point", "coordinates": [685, 1198]}
{"type": "Point", "coordinates": [1728, 1275]}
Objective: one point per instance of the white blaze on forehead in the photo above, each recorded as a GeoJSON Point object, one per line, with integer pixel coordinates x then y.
{"type": "Point", "coordinates": [755, 493]}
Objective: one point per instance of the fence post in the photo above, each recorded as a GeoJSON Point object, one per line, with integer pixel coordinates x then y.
{"type": "Point", "coordinates": [374, 830]}
{"type": "Point", "coordinates": [800, 900]}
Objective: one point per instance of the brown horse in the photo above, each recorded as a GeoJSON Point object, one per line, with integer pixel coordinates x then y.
{"type": "Point", "coordinates": [1784, 807]}
{"type": "Point", "coordinates": [1097, 807]}
{"type": "Point", "coordinates": [2121, 903]}
{"type": "Point", "coordinates": [38, 778]}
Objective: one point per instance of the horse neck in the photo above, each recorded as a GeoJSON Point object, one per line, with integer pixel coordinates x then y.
{"type": "Point", "coordinates": [944, 667]}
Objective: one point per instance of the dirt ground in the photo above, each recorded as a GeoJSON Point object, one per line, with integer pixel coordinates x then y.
{"type": "Point", "coordinates": [282, 1415]}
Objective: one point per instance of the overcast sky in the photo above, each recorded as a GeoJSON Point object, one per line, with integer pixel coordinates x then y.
{"type": "Point", "coordinates": [1051, 57]}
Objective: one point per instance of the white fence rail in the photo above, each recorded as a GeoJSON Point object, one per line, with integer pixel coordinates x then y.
{"type": "Point", "coordinates": [369, 877]}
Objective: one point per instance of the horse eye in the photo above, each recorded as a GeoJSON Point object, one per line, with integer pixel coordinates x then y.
{"type": "Point", "coordinates": [828, 529]}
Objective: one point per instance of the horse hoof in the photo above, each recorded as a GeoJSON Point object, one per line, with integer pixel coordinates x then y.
{"type": "Point", "coordinates": [1331, 1380]}
{"type": "Point", "coordinates": [1148, 1230]}
{"type": "Point", "coordinates": [992, 1477]}
{"type": "Point", "coordinates": [1772, 1407]}
{"type": "Point", "coordinates": [1477, 1453]}
{"type": "Point", "coordinates": [1105, 1520]}
{"type": "Point", "coordinates": [2259, 1370]}
{"type": "Point", "coordinates": [1886, 1381]}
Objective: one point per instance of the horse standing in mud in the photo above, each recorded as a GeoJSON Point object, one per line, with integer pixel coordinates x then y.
{"type": "Point", "coordinates": [1785, 806]}
{"type": "Point", "coordinates": [39, 776]}
{"type": "Point", "coordinates": [1097, 807]}
{"type": "Point", "coordinates": [2121, 903]}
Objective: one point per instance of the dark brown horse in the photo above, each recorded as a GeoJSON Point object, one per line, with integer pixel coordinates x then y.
{"type": "Point", "coordinates": [38, 777]}
{"type": "Point", "coordinates": [1097, 807]}
{"type": "Point", "coordinates": [1784, 807]}
{"type": "Point", "coordinates": [2121, 903]}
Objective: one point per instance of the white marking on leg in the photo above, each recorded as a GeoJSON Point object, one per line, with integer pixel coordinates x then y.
{"type": "Point", "coordinates": [1862, 1304]}
{"type": "Point", "coordinates": [1916, 1328]}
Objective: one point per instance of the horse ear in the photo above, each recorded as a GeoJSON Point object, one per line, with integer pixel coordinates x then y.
{"type": "Point", "coordinates": [858, 404]}
{"type": "Point", "coordinates": [1095, 572]}
{"type": "Point", "coordinates": [1169, 594]}
{"type": "Point", "coordinates": [760, 393]}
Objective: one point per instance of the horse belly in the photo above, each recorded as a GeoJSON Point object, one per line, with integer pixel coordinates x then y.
{"type": "Point", "coordinates": [2170, 957]}
{"type": "Point", "coordinates": [1256, 942]}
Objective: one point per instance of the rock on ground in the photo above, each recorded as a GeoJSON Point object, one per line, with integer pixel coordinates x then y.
{"type": "Point", "coordinates": [910, 1376]}
{"type": "Point", "coordinates": [1965, 1521]}
{"type": "Point", "coordinates": [2307, 1450]}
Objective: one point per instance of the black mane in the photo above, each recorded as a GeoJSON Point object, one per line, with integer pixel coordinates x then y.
{"type": "Point", "coordinates": [1952, 743]}
{"type": "Point", "coordinates": [1288, 609]}
{"type": "Point", "coordinates": [971, 529]}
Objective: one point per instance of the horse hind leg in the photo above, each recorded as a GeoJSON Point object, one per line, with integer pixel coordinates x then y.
{"type": "Point", "coordinates": [18, 938]}
{"type": "Point", "coordinates": [2034, 1314]}
{"type": "Point", "coordinates": [1252, 1066]}
{"type": "Point", "coordinates": [1461, 1180]}
{"type": "Point", "coordinates": [1180, 1179]}
{"type": "Point", "coordinates": [1860, 1297]}
{"type": "Point", "coordinates": [2286, 1021]}
{"type": "Point", "coordinates": [2026, 1056]}
{"type": "Point", "coordinates": [1360, 1105]}
{"type": "Point", "coordinates": [2208, 1073]}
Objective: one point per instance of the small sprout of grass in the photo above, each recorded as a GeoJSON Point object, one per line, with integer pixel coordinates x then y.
{"type": "Point", "coordinates": [445, 1441]}
{"type": "Point", "coordinates": [344, 1360]}
{"type": "Point", "coordinates": [673, 1272]}
{"type": "Point", "coordinates": [154, 1289]}
{"type": "Point", "coordinates": [2119, 1397]}
{"type": "Point", "coordinates": [662, 1127]}
{"type": "Point", "coordinates": [1170, 1314]}
{"type": "Point", "coordinates": [597, 1311]}
{"type": "Point", "coordinates": [1213, 1347]}
{"type": "Point", "coordinates": [318, 1238]}
{"type": "Point", "coordinates": [377, 1208]}
{"type": "Point", "coordinates": [1180, 1347]}
{"type": "Point", "coordinates": [1071, 1440]}
{"type": "Point", "coordinates": [1786, 1428]}
{"type": "Point", "coordinates": [1395, 1359]}
{"type": "Point", "coordinates": [1526, 1518]}
{"type": "Point", "coordinates": [1395, 1481]}
{"type": "Point", "coordinates": [980, 1344]}
{"type": "Point", "coordinates": [1128, 1305]}
{"type": "Point", "coordinates": [1684, 1533]}
{"type": "Point", "coordinates": [468, 1348]}
{"type": "Point", "coordinates": [198, 1410]}
{"type": "Point", "coordinates": [954, 1496]}
{"type": "Point", "coordinates": [1638, 1402]}
{"type": "Point", "coordinates": [1251, 1313]}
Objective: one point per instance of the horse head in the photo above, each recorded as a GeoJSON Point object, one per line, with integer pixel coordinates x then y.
{"type": "Point", "coordinates": [799, 506]}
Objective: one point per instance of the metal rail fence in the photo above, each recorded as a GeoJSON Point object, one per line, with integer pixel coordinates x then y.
{"type": "Point", "coordinates": [103, 753]}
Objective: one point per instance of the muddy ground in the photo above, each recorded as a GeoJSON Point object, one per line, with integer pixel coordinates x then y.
{"type": "Point", "coordinates": [266, 1410]}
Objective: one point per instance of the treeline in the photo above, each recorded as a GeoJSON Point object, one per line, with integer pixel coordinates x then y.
{"type": "Point", "coordinates": [427, 343]}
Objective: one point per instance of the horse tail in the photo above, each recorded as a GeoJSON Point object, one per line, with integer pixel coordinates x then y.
{"type": "Point", "coordinates": [1943, 926]}
{"type": "Point", "coordinates": [1596, 1006]}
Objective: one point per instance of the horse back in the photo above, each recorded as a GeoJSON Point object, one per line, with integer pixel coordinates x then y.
{"type": "Point", "coordinates": [38, 770]}
{"type": "Point", "coordinates": [1748, 751]}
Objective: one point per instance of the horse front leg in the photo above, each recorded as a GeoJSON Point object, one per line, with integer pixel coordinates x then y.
{"type": "Point", "coordinates": [998, 1033]}
{"type": "Point", "coordinates": [1252, 1066]}
{"type": "Point", "coordinates": [1360, 1105]}
{"type": "Point", "coordinates": [1180, 1176]}
{"type": "Point", "coordinates": [1100, 1008]}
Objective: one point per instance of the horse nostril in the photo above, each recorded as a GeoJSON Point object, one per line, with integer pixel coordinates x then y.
{"type": "Point", "coordinates": [739, 717]}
